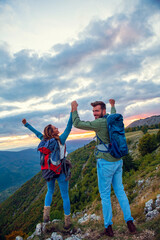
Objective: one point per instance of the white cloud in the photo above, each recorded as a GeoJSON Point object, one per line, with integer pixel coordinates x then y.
{"type": "Point", "coordinates": [40, 25]}
{"type": "Point", "coordinates": [137, 107]}
{"type": "Point", "coordinates": [52, 54]}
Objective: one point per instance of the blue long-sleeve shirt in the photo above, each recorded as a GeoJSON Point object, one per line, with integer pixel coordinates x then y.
{"type": "Point", "coordinates": [62, 137]}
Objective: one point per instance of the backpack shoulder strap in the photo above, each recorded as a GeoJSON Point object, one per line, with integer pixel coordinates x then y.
{"type": "Point", "coordinates": [102, 147]}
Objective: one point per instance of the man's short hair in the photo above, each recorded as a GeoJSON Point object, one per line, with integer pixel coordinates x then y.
{"type": "Point", "coordinates": [96, 103]}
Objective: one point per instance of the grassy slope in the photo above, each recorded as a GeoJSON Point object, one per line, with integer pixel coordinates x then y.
{"type": "Point", "coordinates": [23, 210]}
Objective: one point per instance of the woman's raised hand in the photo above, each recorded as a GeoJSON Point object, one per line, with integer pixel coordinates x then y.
{"type": "Point", "coordinates": [24, 121]}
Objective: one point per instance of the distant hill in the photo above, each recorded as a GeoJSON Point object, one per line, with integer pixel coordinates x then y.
{"type": "Point", "coordinates": [146, 121]}
{"type": "Point", "coordinates": [18, 167]}
{"type": "Point", "coordinates": [23, 210]}
{"type": "Point", "coordinates": [72, 145]}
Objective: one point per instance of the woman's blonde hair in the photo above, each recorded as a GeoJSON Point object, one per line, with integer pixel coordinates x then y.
{"type": "Point", "coordinates": [49, 133]}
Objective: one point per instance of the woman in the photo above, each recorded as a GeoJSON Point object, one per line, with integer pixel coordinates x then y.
{"type": "Point", "coordinates": [51, 132]}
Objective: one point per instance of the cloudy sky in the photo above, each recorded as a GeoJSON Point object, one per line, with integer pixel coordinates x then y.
{"type": "Point", "coordinates": [53, 52]}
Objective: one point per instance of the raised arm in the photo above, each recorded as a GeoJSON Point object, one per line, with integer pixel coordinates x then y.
{"type": "Point", "coordinates": [86, 125]}
{"type": "Point", "coordinates": [37, 133]}
{"type": "Point", "coordinates": [112, 102]}
{"type": "Point", "coordinates": [67, 131]}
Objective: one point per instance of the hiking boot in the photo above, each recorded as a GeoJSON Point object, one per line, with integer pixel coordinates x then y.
{"type": "Point", "coordinates": [67, 220]}
{"type": "Point", "coordinates": [46, 214]}
{"type": "Point", "coordinates": [131, 227]}
{"type": "Point", "coordinates": [108, 231]}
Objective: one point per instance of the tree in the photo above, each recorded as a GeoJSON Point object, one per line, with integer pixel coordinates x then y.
{"type": "Point", "coordinates": [128, 163]}
{"type": "Point", "coordinates": [147, 144]}
{"type": "Point", "coordinates": [158, 136]}
{"type": "Point", "coordinates": [144, 129]}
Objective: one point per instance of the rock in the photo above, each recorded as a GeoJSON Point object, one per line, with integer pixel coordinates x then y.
{"type": "Point", "coordinates": [86, 235]}
{"type": "Point", "coordinates": [78, 230]}
{"type": "Point", "coordinates": [140, 182]}
{"type": "Point", "coordinates": [149, 203]}
{"type": "Point", "coordinates": [74, 215]}
{"type": "Point", "coordinates": [78, 213]}
{"type": "Point", "coordinates": [158, 196]}
{"type": "Point", "coordinates": [148, 206]}
{"type": "Point", "coordinates": [87, 217]}
{"type": "Point", "coordinates": [56, 220]}
{"type": "Point", "coordinates": [19, 238]}
{"type": "Point", "coordinates": [94, 217]}
{"type": "Point", "coordinates": [74, 237]}
{"type": "Point", "coordinates": [40, 228]}
{"type": "Point", "coordinates": [83, 219]}
{"type": "Point", "coordinates": [31, 237]}
{"type": "Point", "coordinates": [56, 236]}
{"type": "Point", "coordinates": [158, 208]}
{"type": "Point", "coordinates": [148, 181]}
{"type": "Point", "coordinates": [150, 215]}
{"type": "Point", "coordinates": [150, 212]}
{"type": "Point", "coordinates": [38, 231]}
{"type": "Point", "coordinates": [157, 202]}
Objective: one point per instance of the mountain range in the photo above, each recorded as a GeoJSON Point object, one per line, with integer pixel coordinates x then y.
{"type": "Point", "coordinates": [18, 167]}
{"type": "Point", "coordinates": [146, 121]}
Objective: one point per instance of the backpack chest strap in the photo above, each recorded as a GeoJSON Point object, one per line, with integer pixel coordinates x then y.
{"type": "Point", "coordinates": [102, 147]}
{"type": "Point", "coordinates": [55, 163]}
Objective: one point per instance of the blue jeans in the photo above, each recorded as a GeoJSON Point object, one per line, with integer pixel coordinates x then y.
{"type": "Point", "coordinates": [111, 173]}
{"type": "Point", "coordinates": [63, 185]}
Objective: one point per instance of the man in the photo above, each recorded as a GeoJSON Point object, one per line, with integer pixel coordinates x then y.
{"type": "Point", "coordinates": [109, 169]}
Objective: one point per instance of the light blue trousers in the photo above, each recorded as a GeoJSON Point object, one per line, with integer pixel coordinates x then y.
{"type": "Point", "coordinates": [111, 173]}
{"type": "Point", "coordinates": [64, 186]}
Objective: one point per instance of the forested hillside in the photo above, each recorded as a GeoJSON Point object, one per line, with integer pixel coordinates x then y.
{"type": "Point", "coordinates": [17, 167]}
{"type": "Point", "coordinates": [23, 210]}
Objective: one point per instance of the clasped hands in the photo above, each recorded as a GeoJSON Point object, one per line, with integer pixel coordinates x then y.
{"type": "Point", "coordinates": [74, 106]}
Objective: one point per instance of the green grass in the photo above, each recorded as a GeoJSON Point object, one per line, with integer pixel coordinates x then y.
{"type": "Point", "coordinates": [23, 210]}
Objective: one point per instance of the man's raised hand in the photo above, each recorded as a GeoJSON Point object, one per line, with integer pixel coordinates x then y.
{"type": "Point", "coordinates": [112, 102]}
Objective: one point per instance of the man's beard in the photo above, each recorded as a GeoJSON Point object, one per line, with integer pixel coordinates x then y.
{"type": "Point", "coordinates": [101, 116]}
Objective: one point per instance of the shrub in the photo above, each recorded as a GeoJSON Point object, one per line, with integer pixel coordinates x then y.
{"type": "Point", "coordinates": [144, 129]}
{"type": "Point", "coordinates": [147, 144]}
{"type": "Point", "coordinates": [132, 196]}
{"type": "Point", "coordinates": [57, 214]}
{"type": "Point", "coordinates": [128, 163]}
{"type": "Point", "coordinates": [129, 141]}
{"type": "Point", "coordinates": [158, 136]}
{"type": "Point", "coordinates": [131, 184]}
{"type": "Point", "coordinates": [98, 207]}
{"type": "Point", "coordinates": [14, 234]}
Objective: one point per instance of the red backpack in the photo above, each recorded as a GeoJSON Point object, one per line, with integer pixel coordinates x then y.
{"type": "Point", "coordinates": [50, 159]}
